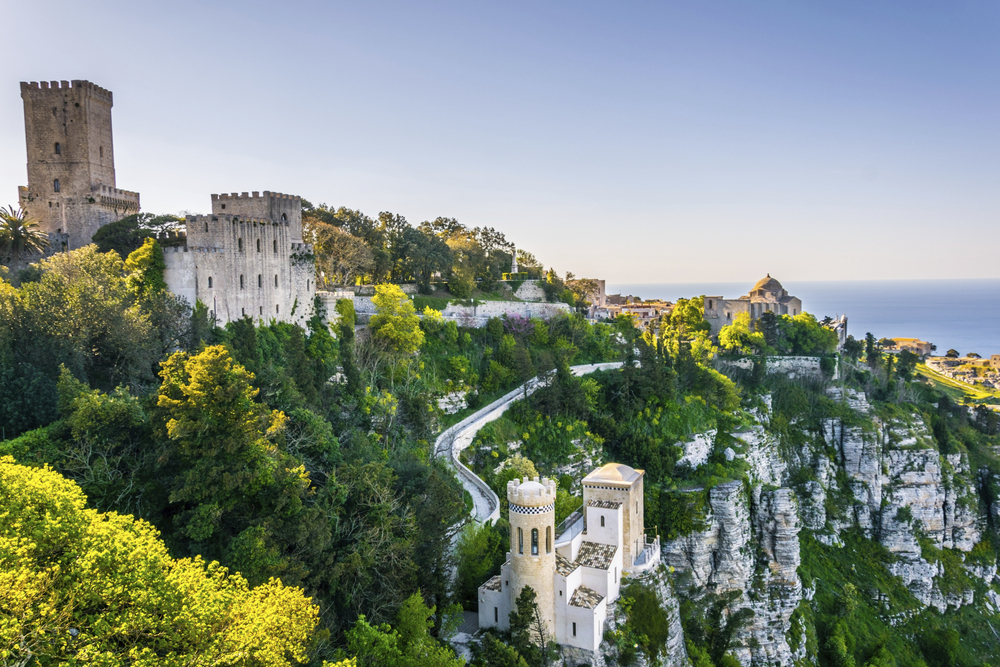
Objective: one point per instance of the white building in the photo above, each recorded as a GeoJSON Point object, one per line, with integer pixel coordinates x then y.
{"type": "Point", "coordinates": [576, 573]}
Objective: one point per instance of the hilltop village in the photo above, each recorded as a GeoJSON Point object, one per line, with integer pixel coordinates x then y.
{"type": "Point", "coordinates": [290, 433]}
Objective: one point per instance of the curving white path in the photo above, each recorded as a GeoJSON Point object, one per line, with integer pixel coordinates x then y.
{"type": "Point", "coordinates": [453, 440]}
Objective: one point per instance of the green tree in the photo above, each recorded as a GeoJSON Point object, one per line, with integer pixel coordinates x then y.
{"type": "Point", "coordinates": [480, 552]}
{"type": "Point", "coordinates": [492, 652]}
{"type": "Point", "coordinates": [528, 634]}
{"type": "Point", "coordinates": [20, 236]}
{"type": "Point", "coordinates": [228, 472]}
{"type": "Point", "coordinates": [395, 324]}
{"type": "Point", "coordinates": [128, 234]}
{"type": "Point", "coordinates": [144, 269]}
{"type": "Point", "coordinates": [77, 585]}
{"type": "Point", "coordinates": [737, 337]}
{"type": "Point", "coordinates": [345, 325]}
{"type": "Point", "coordinates": [409, 645]}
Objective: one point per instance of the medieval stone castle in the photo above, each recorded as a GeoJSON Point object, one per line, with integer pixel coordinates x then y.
{"type": "Point", "coordinates": [245, 259]}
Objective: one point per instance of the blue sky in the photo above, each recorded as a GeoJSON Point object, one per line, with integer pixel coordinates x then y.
{"type": "Point", "coordinates": [638, 142]}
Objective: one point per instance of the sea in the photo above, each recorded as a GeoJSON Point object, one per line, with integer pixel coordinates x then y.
{"type": "Point", "coordinates": [952, 314]}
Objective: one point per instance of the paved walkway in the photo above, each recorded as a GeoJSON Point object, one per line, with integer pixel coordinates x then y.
{"type": "Point", "coordinates": [452, 441]}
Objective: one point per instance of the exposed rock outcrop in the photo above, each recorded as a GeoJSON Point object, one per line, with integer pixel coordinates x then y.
{"type": "Point", "coordinates": [756, 552]}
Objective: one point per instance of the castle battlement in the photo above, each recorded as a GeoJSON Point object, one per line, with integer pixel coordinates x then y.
{"type": "Point", "coordinates": [231, 217]}
{"type": "Point", "coordinates": [253, 195]}
{"type": "Point", "coordinates": [531, 493]}
{"type": "Point", "coordinates": [77, 85]}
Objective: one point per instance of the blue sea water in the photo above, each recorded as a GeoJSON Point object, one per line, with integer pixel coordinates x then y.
{"type": "Point", "coordinates": [959, 314]}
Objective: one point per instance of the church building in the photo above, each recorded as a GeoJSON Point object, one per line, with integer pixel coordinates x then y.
{"type": "Point", "coordinates": [766, 296]}
{"type": "Point", "coordinates": [576, 573]}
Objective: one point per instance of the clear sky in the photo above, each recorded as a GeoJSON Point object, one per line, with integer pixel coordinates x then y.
{"type": "Point", "coordinates": [637, 142]}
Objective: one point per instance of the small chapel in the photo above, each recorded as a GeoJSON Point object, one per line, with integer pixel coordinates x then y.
{"type": "Point", "coordinates": [575, 569]}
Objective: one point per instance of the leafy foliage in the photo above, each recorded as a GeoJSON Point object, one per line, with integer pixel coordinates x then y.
{"type": "Point", "coordinates": [77, 585]}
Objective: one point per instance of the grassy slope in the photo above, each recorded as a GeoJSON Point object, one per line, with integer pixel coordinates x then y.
{"type": "Point", "coordinates": [955, 390]}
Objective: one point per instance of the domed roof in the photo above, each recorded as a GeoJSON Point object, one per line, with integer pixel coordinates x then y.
{"type": "Point", "coordinates": [614, 472]}
{"type": "Point", "coordinates": [532, 487]}
{"type": "Point", "coordinates": [768, 284]}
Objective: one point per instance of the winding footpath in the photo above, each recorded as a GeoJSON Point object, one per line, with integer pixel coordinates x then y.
{"type": "Point", "coordinates": [460, 436]}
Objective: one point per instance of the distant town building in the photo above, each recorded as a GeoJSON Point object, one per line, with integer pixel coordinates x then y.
{"type": "Point", "coordinates": [71, 187]}
{"type": "Point", "coordinates": [576, 573]}
{"type": "Point", "coordinates": [766, 296]}
{"type": "Point", "coordinates": [915, 345]}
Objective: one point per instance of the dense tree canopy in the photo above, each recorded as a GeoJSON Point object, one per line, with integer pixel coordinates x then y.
{"type": "Point", "coordinates": [79, 585]}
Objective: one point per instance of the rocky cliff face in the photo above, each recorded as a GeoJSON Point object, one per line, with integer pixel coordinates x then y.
{"type": "Point", "coordinates": [751, 544]}
{"type": "Point", "coordinates": [905, 491]}
{"type": "Point", "coordinates": [675, 653]}
{"type": "Point", "coordinates": [887, 479]}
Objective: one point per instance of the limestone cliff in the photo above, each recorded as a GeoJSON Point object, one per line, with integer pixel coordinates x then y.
{"type": "Point", "coordinates": [885, 477]}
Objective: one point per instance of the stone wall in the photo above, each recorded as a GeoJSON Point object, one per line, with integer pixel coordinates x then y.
{"type": "Point", "coordinates": [791, 366]}
{"type": "Point", "coordinates": [477, 316]}
{"type": "Point", "coordinates": [243, 267]}
{"type": "Point", "coordinates": [530, 290]}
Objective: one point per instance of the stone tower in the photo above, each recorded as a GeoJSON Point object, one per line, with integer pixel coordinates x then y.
{"type": "Point", "coordinates": [71, 162]}
{"type": "Point", "coordinates": [532, 542]}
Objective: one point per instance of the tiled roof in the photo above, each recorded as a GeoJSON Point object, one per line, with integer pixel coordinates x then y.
{"type": "Point", "coordinates": [586, 598]}
{"type": "Point", "coordinates": [493, 584]}
{"type": "Point", "coordinates": [593, 554]}
{"type": "Point", "coordinates": [565, 566]}
{"type": "Point", "coordinates": [604, 504]}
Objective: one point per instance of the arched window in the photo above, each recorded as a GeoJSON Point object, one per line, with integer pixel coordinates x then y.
{"type": "Point", "coordinates": [284, 217]}
{"type": "Point", "coordinates": [275, 279]}
{"type": "Point", "coordinates": [258, 245]}
{"type": "Point", "coordinates": [241, 281]}
{"type": "Point", "coordinates": [100, 149]}
{"type": "Point", "coordinates": [58, 149]}
{"type": "Point", "coordinates": [520, 541]}
{"type": "Point", "coordinates": [307, 285]}
{"type": "Point", "coordinates": [55, 185]}
{"type": "Point", "coordinates": [602, 521]}
{"type": "Point", "coordinates": [275, 245]}
{"type": "Point", "coordinates": [534, 541]}
{"type": "Point", "coordinates": [239, 244]}
{"type": "Point", "coordinates": [210, 282]}
{"type": "Point", "coordinates": [710, 306]}
{"type": "Point", "coordinates": [277, 308]}
{"type": "Point", "coordinates": [262, 311]}
{"type": "Point", "coordinates": [206, 228]}
{"type": "Point", "coordinates": [260, 280]}
{"type": "Point", "coordinates": [548, 539]}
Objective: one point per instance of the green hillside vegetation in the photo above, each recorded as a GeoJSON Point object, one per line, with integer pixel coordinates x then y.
{"type": "Point", "coordinates": [296, 455]}
{"type": "Point", "coordinates": [297, 464]}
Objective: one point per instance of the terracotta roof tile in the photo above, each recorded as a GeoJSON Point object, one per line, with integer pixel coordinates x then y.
{"type": "Point", "coordinates": [565, 566]}
{"type": "Point", "coordinates": [604, 504]}
{"type": "Point", "coordinates": [593, 554]}
{"type": "Point", "coordinates": [493, 584]}
{"type": "Point", "coordinates": [586, 598]}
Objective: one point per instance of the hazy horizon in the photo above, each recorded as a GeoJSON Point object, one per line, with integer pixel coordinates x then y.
{"type": "Point", "coordinates": [637, 143]}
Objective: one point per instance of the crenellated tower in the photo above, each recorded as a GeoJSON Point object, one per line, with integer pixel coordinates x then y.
{"type": "Point", "coordinates": [71, 187]}
{"type": "Point", "coordinates": [532, 542]}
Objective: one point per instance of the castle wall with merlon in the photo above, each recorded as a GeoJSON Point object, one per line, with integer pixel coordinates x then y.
{"type": "Point", "coordinates": [240, 266]}
{"type": "Point", "coordinates": [69, 140]}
